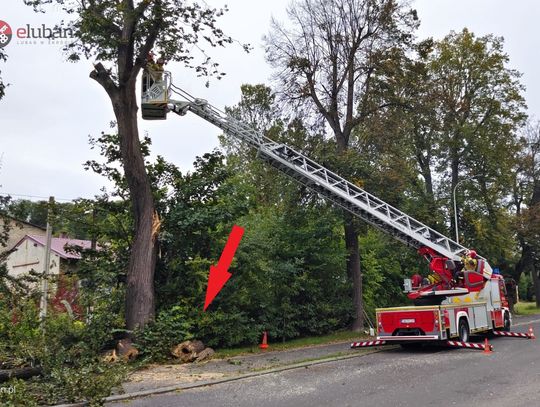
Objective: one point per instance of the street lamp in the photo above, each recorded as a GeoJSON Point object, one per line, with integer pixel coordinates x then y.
{"type": "Point", "coordinates": [455, 205]}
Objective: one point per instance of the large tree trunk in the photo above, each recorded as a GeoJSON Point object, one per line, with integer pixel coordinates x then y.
{"type": "Point", "coordinates": [354, 271]}
{"type": "Point", "coordinates": [354, 268]}
{"type": "Point", "coordinates": [140, 304]}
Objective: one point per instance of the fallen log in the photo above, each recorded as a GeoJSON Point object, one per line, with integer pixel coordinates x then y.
{"type": "Point", "coordinates": [19, 373]}
{"type": "Point", "coordinates": [205, 354]}
{"type": "Point", "coordinates": [187, 351]}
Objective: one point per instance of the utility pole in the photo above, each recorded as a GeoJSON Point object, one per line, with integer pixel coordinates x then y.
{"type": "Point", "coordinates": [94, 243]}
{"type": "Point", "coordinates": [46, 264]}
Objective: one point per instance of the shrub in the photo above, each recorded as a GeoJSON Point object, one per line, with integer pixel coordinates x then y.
{"type": "Point", "coordinates": [67, 350]}
{"type": "Point", "coordinates": [172, 326]}
{"type": "Point", "coordinates": [91, 381]}
{"type": "Point", "coordinates": [15, 393]}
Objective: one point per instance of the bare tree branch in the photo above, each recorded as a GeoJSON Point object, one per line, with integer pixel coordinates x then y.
{"type": "Point", "coordinates": [103, 77]}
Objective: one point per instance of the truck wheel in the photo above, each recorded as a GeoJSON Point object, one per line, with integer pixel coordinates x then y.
{"type": "Point", "coordinates": [507, 322]}
{"type": "Point", "coordinates": [463, 330]}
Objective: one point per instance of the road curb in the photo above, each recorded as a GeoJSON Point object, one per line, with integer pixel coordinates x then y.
{"type": "Point", "coordinates": [204, 383]}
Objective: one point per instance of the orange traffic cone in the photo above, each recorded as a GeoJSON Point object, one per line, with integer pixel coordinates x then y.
{"type": "Point", "coordinates": [531, 333]}
{"type": "Point", "coordinates": [487, 347]}
{"type": "Point", "coordinates": [264, 344]}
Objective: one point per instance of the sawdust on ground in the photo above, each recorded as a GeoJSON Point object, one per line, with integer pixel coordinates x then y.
{"type": "Point", "coordinates": [165, 374]}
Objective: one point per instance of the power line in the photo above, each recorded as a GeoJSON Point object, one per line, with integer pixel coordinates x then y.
{"type": "Point", "coordinates": [39, 197]}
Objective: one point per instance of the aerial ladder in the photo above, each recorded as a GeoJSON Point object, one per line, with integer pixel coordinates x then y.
{"type": "Point", "coordinates": [442, 253]}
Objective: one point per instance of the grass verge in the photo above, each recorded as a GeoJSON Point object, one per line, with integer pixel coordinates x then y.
{"type": "Point", "coordinates": [292, 344]}
{"type": "Point", "coordinates": [526, 308]}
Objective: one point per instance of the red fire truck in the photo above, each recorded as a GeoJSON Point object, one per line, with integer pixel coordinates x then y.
{"type": "Point", "coordinates": [474, 302]}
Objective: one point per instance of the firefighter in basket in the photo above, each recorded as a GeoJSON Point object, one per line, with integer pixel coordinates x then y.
{"type": "Point", "coordinates": [153, 72]}
{"type": "Point", "coordinates": [470, 261]}
{"type": "Point", "coordinates": [155, 68]}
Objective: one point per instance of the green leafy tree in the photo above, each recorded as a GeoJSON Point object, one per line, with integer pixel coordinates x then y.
{"type": "Point", "coordinates": [384, 262]}
{"type": "Point", "coordinates": [201, 208]}
{"type": "Point", "coordinates": [73, 219]}
{"type": "Point", "coordinates": [259, 107]}
{"type": "Point", "coordinates": [34, 212]}
{"type": "Point", "coordinates": [119, 34]}
{"type": "Point", "coordinates": [327, 62]}
{"type": "Point", "coordinates": [482, 105]}
{"type": "Point", "coordinates": [461, 111]}
{"type": "Point", "coordinates": [407, 153]}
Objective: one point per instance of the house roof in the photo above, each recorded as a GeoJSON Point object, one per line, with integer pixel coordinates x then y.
{"type": "Point", "coordinates": [58, 245]}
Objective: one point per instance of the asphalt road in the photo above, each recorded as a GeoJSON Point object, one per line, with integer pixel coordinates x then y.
{"type": "Point", "coordinates": [510, 376]}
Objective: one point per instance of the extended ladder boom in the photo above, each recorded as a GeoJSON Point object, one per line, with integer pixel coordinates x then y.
{"type": "Point", "coordinates": [328, 184]}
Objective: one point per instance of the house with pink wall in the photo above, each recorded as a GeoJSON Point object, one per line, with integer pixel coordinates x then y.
{"type": "Point", "coordinates": [29, 254]}
{"type": "Point", "coordinates": [17, 229]}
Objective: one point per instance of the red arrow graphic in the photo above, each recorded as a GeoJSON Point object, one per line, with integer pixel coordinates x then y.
{"type": "Point", "coordinates": [218, 274]}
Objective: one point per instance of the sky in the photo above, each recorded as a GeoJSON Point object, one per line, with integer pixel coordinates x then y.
{"type": "Point", "coordinates": [52, 106]}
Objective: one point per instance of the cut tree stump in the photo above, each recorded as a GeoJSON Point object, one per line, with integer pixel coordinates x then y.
{"type": "Point", "coordinates": [187, 351]}
{"type": "Point", "coordinates": [126, 350]}
{"type": "Point", "coordinates": [110, 356]}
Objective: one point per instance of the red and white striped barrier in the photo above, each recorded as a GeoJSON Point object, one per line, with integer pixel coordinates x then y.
{"type": "Point", "coordinates": [469, 345]}
{"type": "Point", "coordinates": [513, 334]}
{"type": "Point", "coordinates": [367, 343]}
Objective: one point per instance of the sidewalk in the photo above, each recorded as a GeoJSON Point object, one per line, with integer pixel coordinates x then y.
{"type": "Point", "coordinates": [157, 376]}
